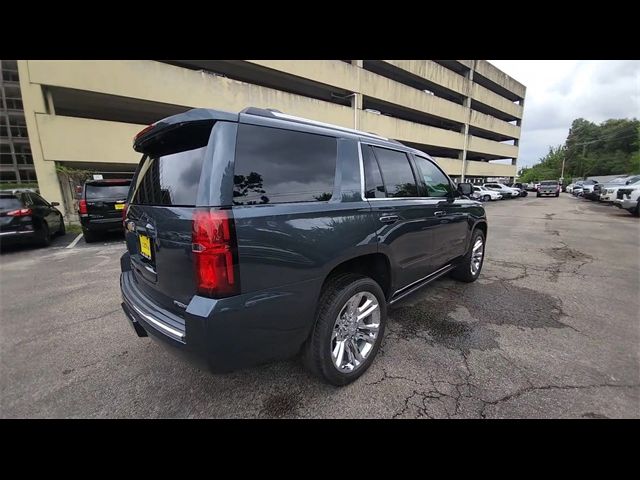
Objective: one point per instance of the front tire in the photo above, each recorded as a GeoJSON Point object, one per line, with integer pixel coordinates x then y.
{"type": "Point", "coordinates": [471, 264]}
{"type": "Point", "coordinates": [486, 198]}
{"type": "Point", "coordinates": [62, 230]}
{"type": "Point", "coordinates": [350, 322]}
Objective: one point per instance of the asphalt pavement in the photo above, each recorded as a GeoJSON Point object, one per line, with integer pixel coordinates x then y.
{"type": "Point", "coordinates": [550, 330]}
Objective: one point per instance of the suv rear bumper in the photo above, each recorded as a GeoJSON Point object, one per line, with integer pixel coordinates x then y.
{"type": "Point", "coordinates": [101, 224]}
{"type": "Point", "coordinates": [229, 333]}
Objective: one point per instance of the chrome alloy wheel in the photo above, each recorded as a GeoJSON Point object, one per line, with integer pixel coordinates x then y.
{"type": "Point", "coordinates": [476, 256]}
{"type": "Point", "coordinates": [355, 332]}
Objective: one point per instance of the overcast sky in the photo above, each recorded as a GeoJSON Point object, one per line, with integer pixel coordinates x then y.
{"type": "Point", "coordinates": [559, 91]}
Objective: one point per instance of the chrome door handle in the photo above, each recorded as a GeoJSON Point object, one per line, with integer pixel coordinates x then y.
{"type": "Point", "coordinates": [440, 213]}
{"type": "Point", "coordinates": [389, 218]}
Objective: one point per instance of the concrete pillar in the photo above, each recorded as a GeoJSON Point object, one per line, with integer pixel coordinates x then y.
{"type": "Point", "coordinates": [34, 102]}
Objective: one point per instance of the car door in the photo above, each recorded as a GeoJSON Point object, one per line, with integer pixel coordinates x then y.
{"type": "Point", "coordinates": [404, 219]}
{"type": "Point", "coordinates": [449, 235]}
{"type": "Point", "coordinates": [44, 211]}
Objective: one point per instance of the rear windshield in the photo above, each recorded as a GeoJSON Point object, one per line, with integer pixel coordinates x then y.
{"type": "Point", "coordinates": [549, 182]}
{"type": "Point", "coordinates": [95, 192]}
{"type": "Point", "coordinates": [10, 203]}
{"type": "Point", "coordinates": [170, 179]}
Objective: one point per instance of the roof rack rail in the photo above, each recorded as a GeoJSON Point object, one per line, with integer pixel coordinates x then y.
{"type": "Point", "coordinates": [273, 113]}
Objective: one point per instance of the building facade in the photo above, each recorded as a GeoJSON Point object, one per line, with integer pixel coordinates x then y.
{"type": "Point", "coordinates": [16, 163]}
{"type": "Point", "coordinates": [84, 114]}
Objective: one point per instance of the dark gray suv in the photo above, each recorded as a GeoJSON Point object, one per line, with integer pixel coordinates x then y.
{"type": "Point", "coordinates": [257, 236]}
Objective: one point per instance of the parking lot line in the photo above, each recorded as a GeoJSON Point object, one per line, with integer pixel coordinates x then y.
{"type": "Point", "coordinates": [75, 240]}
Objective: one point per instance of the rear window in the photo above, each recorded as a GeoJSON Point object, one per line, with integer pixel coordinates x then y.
{"type": "Point", "coordinates": [95, 192]}
{"type": "Point", "coordinates": [169, 179]}
{"type": "Point", "coordinates": [273, 165]}
{"type": "Point", "coordinates": [549, 183]}
{"type": "Point", "coordinates": [10, 203]}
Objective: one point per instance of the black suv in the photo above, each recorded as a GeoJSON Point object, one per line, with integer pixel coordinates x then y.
{"type": "Point", "coordinates": [26, 216]}
{"type": "Point", "coordinates": [255, 236]}
{"type": "Point", "coordinates": [101, 207]}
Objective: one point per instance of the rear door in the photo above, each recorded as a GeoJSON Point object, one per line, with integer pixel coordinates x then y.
{"type": "Point", "coordinates": [105, 200]}
{"type": "Point", "coordinates": [165, 191]}
{"type": "Point", "coordinates": [44, 211]}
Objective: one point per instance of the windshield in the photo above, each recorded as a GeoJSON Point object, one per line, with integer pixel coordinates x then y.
{"type": "Point", "coordinates": [10, 203]}
{"type": "Point", "coordinates": [116, 191]}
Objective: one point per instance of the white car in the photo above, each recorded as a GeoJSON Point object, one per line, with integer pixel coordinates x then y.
{"type": "Point", "coordinates": [609, 191]}
{"type": "Point", "coordinates": [506, 192]}
{"type": "Point", "coordinates": [628, 197]}
{"type": "Point", "coordinates": [569, 188]}
{"type": "Point", "coordinates": [484, 194]}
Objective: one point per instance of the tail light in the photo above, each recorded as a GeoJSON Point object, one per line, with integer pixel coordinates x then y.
{"type": "Point", "coordinates": [22, 212]}
{"type": "Point", "coordinates": [215, 253]}
{"type": "Point", "coordinates": [124, 214]}
{"type": "Point", "coordinates": [82, 207]}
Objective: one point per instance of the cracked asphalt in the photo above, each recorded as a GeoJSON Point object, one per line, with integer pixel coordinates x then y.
{"type": "Point", "coordinates": [550, 330]}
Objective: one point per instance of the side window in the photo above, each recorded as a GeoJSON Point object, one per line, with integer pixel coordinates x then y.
{"type": "Point", "coordinates": [373, 186]}
{"type": "Point", "coordinates": [277, 166]}
{"type": "Point", "coordinates": [436, 182]}
{"type": "Point", "coordinates": [396, 173]}
{"type": "Point", "coordinates": [38, 201]}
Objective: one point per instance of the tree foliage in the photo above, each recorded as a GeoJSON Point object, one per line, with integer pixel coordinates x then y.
{"type": "Point", "coordinates": [609, 148]}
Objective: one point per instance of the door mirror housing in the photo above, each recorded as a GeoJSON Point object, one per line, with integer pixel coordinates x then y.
{"type": "Point", "coordinates": [55, 204]}
{"type": "Point", "coordinates": [465, 189]}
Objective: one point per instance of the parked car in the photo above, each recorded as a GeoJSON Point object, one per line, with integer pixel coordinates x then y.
{"type": "Point", "coordinates": [577, 189]}
{"type": "Point", "coordinates": [288, 235]}
{"type": "Point", "coordinates": [587, 189]}
{"type": "Point", "coordinates": [27, 217]}
{"type": "Point", "coordinates": [628, 197]}
{"type": "Point", "coordinates": [506, 192]}
{"type": "Point", "coordinates": [609, 190]}
{"type": "Point", "coordinates": [549, 187]}
{"type": "Point", "coordinates": [520, 187]}
{"type": "Point", "coordinates": [484, 194]}
{"type": "Point", "coordinates": [101, 207]}
{"type": "Point", "coordinates": [569, 188]}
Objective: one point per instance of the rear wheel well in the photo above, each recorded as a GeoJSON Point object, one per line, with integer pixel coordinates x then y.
{"type": "Point", "coordinates": [374, 265]}
{"type": "Point", "coordinates": [482, 226]}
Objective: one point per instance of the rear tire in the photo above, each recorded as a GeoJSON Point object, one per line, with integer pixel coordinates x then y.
{"type": "Point", "coordinates": [486, 198]}
{"type": "Point", "coordinates": [62, 230]}
{"type": "Point", "coordinates": [636, 211]}
{"type": "Point", "coordinates": [467, 271]}
{"type": "Point", "coordinates": [45, 236]}
{"type": "Point", "coordinates": [89, 236]}
{"type": "Point", "coordinates": [333, 324]}
{"type": "Point", "coordinates": [538, 195]}
{"type": "Point", "coordinates": [557, 195]}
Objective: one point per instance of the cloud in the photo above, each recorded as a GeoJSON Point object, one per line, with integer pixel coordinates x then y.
{"type": "Point", "coordinates": [559, 91]}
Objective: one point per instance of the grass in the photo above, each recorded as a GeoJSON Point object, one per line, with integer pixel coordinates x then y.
{"type": "Point", "coordinates": [73, 228]}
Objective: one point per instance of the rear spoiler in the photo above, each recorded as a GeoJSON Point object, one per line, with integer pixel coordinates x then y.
{"type": "Point", "coordinates": [153, 132]}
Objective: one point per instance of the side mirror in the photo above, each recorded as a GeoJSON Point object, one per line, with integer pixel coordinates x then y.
{"type": "Point", "coordinates": [55, 204]}
{"type": "Point", "coordinates": [465, 189]}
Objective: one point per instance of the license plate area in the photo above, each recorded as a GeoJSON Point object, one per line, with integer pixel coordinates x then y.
{"type": "Point", "coordinates": [119, 206]}
{"type": "Point", "coordinates": [145, 246]}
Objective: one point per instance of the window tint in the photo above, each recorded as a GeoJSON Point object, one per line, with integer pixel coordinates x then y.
{"type": "Point", "coordinates": [94, 192]}
{"type": "Point", "coordinates": [38, 201]}
{"type": "Point", "coordinates": [373, 186]}
{"type": "Point", "coordinates": [396, 173]}
{"type": "Point", "coordinates": [436, 182]}
{"type": "Point", "coordinates": [276, 166]}
{"type": "Point", "coordinates": [169, 179]}
{"type": "Point", "coordinates": [10, 203]}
